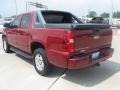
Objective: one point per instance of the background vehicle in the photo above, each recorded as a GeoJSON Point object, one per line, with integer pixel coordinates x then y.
{"type": "Point", "coordinates": [4, 20]}
{"type": "Point", "coordinates": [1, 28]}
{"type": "Point", "coordinates": [1, 25]}
{"type": "Point", "coordinates": [116, 23]}
{"type": "Point", "coordinates": [8, 20]}
{"type": "Point", "coordinates": [85, 19]}
{"type": "Point", "coordinates": [56, 38]}
{"type": "Point", "coordinates": [99, 20]}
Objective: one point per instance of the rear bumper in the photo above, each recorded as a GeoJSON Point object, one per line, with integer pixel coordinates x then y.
{"type": "Point", "coordinates": [83, 62]}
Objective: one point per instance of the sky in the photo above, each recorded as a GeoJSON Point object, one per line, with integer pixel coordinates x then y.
{"type": "Point", "coordinates": [77, 7]}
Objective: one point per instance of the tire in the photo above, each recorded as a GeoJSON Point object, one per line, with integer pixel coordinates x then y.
{"type": "Point", "coordinates": [41, 63]}
{"type": "Point", "coordinates": [6, 46]}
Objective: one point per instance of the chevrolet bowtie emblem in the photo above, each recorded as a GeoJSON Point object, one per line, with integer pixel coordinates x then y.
{"type": "Point", "coordinates": [96, 37]}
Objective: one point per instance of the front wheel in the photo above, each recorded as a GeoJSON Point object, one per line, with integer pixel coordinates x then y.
{"type": "Point", "coordinates": [41, 63]}
{"type": "Point", "coordinates": [6, 46]}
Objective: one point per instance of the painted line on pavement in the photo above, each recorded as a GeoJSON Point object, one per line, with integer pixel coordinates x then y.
{"type": "Point", "coordinates": [62, 74]}
{"type": "Point", "coordinates": [2, 52]}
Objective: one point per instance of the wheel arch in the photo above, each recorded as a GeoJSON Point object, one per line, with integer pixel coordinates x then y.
{"type": "Point", "coordinates": [35, 45]}
{"type": "Point", "coordinates": [3, 36]}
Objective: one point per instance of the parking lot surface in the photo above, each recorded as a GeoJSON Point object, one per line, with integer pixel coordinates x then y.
{"type": "Point", "coordinates": [18, 73]}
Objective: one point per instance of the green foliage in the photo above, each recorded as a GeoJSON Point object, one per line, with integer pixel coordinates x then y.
{"type": "Point", "coordinates": [116, 14]}
{"type": "Point", "coordinates": [92, 14]}
{"type": "Point", "coordinates": [105, 15]}
{"type": "Point", "coordinates": [0, 16]}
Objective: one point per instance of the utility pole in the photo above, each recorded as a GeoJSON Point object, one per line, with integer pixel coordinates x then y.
{"type": "Point", "coordinates": [111, 13]}
{"type": "Point", "coordinates": [15, 6]}
{"type": "Point", "coordinates": [26, 6]}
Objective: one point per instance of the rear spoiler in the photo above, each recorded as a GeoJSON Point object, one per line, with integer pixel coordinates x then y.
{"type": "Point", "coordinates": [78, 26]}
{"type": "Point", "coordinates": [91, 26]}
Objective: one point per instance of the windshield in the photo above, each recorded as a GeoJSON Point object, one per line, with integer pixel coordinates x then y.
{"type": "Point", "coordinates": [59, 17]}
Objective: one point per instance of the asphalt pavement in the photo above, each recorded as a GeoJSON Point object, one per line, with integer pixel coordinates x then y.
{"type": "Point", "coordinates": [18, 73]}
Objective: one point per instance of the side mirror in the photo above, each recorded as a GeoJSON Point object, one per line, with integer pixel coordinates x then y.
{"type": "Point", "coordinates": [13, 26]}
{"type": "Point", "coordinates": [9, 25]}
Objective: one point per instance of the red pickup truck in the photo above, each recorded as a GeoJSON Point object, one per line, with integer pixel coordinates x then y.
{"type": "Point", "coordinates": [57, 38]}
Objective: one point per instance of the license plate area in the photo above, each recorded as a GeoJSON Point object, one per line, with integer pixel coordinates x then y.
{"type": "Point", "coordinates": [95, 56]}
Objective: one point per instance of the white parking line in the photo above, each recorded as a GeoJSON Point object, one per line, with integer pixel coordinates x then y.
{"type": "Point", "coordinates": [2, 52]}
{"type": "Point", "coordinates": [119, 32]}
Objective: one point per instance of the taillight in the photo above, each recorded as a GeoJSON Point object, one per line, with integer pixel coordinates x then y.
{"type": "Point", "coordinates": [69, 41]}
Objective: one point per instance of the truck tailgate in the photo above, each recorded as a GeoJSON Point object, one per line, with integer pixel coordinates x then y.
{"type": "Point", "coordinates": [88, 40]}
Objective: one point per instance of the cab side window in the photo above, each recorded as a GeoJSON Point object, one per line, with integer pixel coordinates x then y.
{"type": "Point", "coordinates": [25, 21]}
{"type": "Point", "coordinates": [16, 21]}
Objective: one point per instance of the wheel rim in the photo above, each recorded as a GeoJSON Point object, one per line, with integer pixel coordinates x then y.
{"type": "Point", "coordinates": [4, 44]}
{"type": "Point", "coordinates": [39, 62]}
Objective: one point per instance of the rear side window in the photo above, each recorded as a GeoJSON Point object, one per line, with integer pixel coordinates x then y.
{"type": "Point", "coordinates": [25, 21]}
{"type": "Point", "coordinates": [59, 17]}
{"type": "Point", "coordinates": [54, 18]}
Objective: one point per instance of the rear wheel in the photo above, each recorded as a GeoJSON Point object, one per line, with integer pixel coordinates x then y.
{"type": "Point", "coordinates": [41, 63]}
{"type": "Point", "coordinates": [6, 46]}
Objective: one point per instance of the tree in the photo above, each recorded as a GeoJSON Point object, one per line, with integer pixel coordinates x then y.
{"type": "Point", "coordinates": [105, 15]}
{"type": "Point", "coordinates": [92, 14]}
{"type": "Point", "coordinates": [116, 14]}
{"type": "Point", "coordinates": [0, 16]}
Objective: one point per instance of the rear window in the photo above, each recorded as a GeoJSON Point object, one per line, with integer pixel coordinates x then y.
{"type": "Point", "coordinates": [59, 17]}
{"type": "Point", "coordinates": [53, 18]}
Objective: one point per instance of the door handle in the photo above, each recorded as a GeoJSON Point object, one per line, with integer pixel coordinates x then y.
{"type": "Point", "coordinates": [27, 34]}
